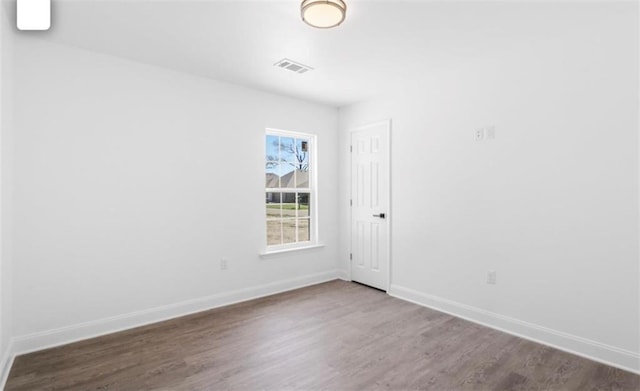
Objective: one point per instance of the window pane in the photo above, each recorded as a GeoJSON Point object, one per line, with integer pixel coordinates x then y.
{"type": "Point", "coordinates": [302, 179]}
{"type": "Point", "coordinates": [272, 148]}
{"type": "Point", "coordinates": [273, 206]}
{"type": "Point", "coordinates": [287, 176]}
{"type": "Point", "coordinates": [303, 205]}
{"type": "Point", "coordinates": [288, 205]}
{"type": "Point", "coordinates": [302, 153]}
{"type": "Point", "coordinates": [287, 149]}
{"type": "Point", "coordinates": [288, 231]}
{"type": "Point", "coordinates": [304, 234]}
{"type": "Point", "coordinates": [272, 175]}
{"type": "Point", "coordinates": [274, 232]}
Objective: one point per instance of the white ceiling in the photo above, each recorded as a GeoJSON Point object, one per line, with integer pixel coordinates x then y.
{"type": "Point", "coordinates": [380, 43]}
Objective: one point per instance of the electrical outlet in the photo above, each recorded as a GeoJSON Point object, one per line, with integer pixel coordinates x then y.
{"type": "Point", "coordinates": [479, 134]}
{"type": "Point", "coordinates": [224, 264]}
{"type": "Point", "coordinates": [491, 277]}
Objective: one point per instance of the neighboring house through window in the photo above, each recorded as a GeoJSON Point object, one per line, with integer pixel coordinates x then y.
{"type": "Point", "coordinates": [290, 193]}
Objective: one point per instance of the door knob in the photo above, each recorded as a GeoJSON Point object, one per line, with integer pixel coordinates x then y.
{"type": "Point", "coordinates": [381, 215]}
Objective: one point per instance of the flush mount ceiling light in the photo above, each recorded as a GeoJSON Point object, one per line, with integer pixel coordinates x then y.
{"type": "Point", "coordinates": [323, 14]}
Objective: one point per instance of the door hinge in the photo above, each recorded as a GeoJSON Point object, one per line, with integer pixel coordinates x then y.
{"type": "Point", "coordinates": [351, 256]}
{"type": "Point", "coordinates": [350, 148]}
{"type": "Point", "coordinates": [350, 202]}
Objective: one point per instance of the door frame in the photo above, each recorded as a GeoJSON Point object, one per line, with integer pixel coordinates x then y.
{"type": "Point", "coordinates": [389, 219]}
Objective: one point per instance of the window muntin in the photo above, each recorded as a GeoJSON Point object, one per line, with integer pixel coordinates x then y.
{"type": "Point", "coordinates": [289, 189]}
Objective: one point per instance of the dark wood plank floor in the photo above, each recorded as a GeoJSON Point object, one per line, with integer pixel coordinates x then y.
{"type": "Point", "coordinates": [333, 336]}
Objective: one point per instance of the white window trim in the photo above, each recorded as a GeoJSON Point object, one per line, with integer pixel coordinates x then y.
{"type": "Point", "coordinates": [267, 253]}
{"type": "Point", "coordinates": [313, 191]}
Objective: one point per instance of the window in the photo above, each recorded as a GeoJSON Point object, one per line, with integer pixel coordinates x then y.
{"type": "Point", "coordinates": [289, 188]}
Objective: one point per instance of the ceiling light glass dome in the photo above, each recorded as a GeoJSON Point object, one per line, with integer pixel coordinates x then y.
{"type": "Point", "coordinates": [323, 14]}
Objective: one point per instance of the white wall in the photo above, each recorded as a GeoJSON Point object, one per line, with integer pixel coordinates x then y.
{"type": "Point", "coordinates": [6, 42]}
{"type": "Point", "coordinates": [551, 204]}
{"type": "Point", "coordinates": [131, 182]}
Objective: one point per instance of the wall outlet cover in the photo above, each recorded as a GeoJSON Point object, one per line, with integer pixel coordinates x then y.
{"type": "Point", "coordinates": [479, 134]}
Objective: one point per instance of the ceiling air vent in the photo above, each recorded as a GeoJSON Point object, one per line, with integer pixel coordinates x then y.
{"type": "Point", "coordinates": [292, 66]}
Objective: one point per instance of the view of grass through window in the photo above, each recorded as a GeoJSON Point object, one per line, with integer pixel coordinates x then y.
{"type": "Point", "coordinates": [288, 192]}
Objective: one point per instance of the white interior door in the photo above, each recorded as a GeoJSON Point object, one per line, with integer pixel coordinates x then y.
{"type": "Point", "coordinates": [370, 151]}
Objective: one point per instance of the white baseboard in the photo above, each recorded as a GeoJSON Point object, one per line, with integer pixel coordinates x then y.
{"type": "Point", "coordinates": [6, 363]}
{"type": "Point", "coordinates": [343, 275]}
{"type": "Point", "coordinates": [592, 350]}
{"type": "Point", "coordinates": [65, 335]}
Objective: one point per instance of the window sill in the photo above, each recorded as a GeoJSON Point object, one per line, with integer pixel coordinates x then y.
{"type": "Point", "coordinates": [269, 253]}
